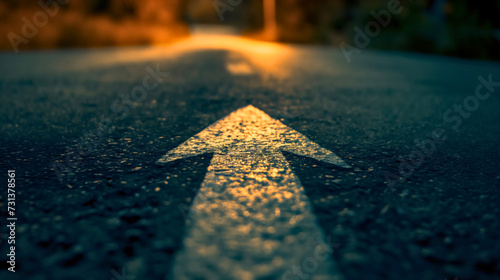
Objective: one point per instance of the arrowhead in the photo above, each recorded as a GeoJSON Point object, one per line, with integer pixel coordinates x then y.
{"type": "Point", "coordinates": [250, 130]}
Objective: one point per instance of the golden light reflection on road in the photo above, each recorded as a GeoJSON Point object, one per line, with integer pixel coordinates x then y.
{"type": "Point", "coordinates": [268, 57]}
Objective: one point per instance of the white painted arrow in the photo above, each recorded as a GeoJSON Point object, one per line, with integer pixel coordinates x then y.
{"type": "Point", "coordinates": [251, 218]}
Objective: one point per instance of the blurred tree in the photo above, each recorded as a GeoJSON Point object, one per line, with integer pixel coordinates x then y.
{"type": "Point", "coordinates": [470, 27]}
{"type": "Point", "coordinates": [93, 23]}
{"type": "Point", "coordinates": [452, 27]}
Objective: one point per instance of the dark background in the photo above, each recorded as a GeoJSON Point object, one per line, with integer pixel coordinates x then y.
{"type": "Point", "coordinates": [463, 28]}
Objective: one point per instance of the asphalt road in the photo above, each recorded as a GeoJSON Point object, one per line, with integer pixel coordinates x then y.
{"type": "Point", "coordinates": [116, 210]}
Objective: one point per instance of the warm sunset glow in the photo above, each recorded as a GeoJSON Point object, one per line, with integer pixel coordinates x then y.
{"type": "Point", "coordinates": [269, 57]}
{"type": "Point", "coordinates": [265, 55]}
{"type": "Point", "coordinates": [270, 26]}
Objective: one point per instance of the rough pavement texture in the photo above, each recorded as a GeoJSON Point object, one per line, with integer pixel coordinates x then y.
{"type": "Point", "coordinates": [118, 209]}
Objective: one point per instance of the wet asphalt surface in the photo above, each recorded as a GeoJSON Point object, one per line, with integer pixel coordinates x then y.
{"type": "Point", "coordinates": [117, 209]}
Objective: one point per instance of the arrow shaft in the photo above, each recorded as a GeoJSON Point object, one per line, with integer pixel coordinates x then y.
{"type": "Point", "coordinates": [251, 219]}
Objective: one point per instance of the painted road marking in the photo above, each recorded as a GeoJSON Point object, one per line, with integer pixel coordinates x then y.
{"type": "Point", "coordinates": [251, 218]}
{"type": "Point", "coordinates": [239, 68]}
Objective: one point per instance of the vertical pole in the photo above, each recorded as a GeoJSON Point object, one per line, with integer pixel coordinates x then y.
{"type": "Point", "coordinates": [270, 25]}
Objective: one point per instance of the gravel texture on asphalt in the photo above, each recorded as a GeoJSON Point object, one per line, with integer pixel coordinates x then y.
{"type": "Point", "coordinates": [117, 209]}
